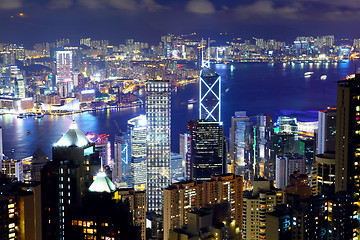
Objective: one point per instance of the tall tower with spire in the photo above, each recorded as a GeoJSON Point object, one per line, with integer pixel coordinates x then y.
{"type": "Point", "coordinates": [209, 90]}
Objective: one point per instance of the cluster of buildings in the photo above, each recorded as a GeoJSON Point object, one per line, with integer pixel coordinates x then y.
{"type": "Point", "coordinates": [63, 76]}
{"type": "Point", "coordinates": [283, 180]}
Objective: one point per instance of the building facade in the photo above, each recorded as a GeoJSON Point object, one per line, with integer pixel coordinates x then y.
{"type": "Point", "coordinates": [157, 141]}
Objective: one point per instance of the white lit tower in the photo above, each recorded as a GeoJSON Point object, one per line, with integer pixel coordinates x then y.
{"type": "Point", "coordinates": [157, 141]}
{"type": "Point", "coordinates": [64, 67]}
{"type": "Point", "coordinates": [209, 90]}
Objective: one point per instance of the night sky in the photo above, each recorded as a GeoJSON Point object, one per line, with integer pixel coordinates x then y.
{"type": "Point", "coordinates": [147, 20]}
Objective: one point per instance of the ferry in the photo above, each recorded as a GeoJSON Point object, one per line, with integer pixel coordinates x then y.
{"type": "Point", "coordinates": [323, 77]}
{"type": "Point", "coordinates": [192, 101]}
{"type": "Point", "coordinates": [308, 74]}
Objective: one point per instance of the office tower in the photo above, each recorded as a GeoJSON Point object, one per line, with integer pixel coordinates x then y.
{"type": "Point", "coordinates": [138, 173]}
{"type": "Point", "coordinates": [207, 155]}
{"type": "Point", "coordinates": [288, 125]}
{"type": "Point", "coordinates": [240, 142]}
{"type": "Point", "coordinates": [122, 159]}
{"type": "Point", "coordinates": [117, 173]}
{"type": "Point", "coordinates": [20, 84]}
{"type": "Point", "coordinates": [65, 180]}
{"type": "Point", "coordinates": [1, 150]}
{"type": "Point", "coordinates": [263, 199]}
{"type": "Point", "coordinates": [176, 168]}
{"type": "Point", "coordinates": [64, 68]}
{"type": "Point", "coordinates": [185, 145]}
{"type": "Point", "coordinates": [157, 141]}
{"type": "Point", "coordinates": [210, 95]}
{"type": "Point", "coordinates": [137, 130]}
{"type": "Point", "coordinates": [326, 131]}
{"type": "Point", "coordinates": [323, 174]}
{"type": "Point", "coordinates": [182, 197]}
{"type": "Point", "coordinates": [287, 165]}
{"type": "Point", "coordinates": [263, 165]}
{"type": "Point", "coordinates": [347, 157]}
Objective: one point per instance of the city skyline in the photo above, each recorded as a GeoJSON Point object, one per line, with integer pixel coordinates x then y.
{"type": "Point", "coordinates": [149, 19]}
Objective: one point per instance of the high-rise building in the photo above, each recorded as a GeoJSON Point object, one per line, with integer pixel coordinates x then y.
{"type": "Point", "coordinates": [65, 180]}
{"type": "Point", "coordinates": [323, 174]}
{"type": "Point", "coordinates": [262, 200]}
{"type": "Point", "coordinates": [185, 145]}
{"type": "Point", "coordinates": [287, 165]}
{"type": "Point", "coordinates": [157, 141]}
{"type": "Point", "coordinates": [64, 68]}
{"type": "Point", "coordinates": [105, 213]}
{"type": "Point", "coordinates": [182, 197]}
{"type": "Point", "coordinates": [176, 169]}
{"type": "Point", "coordinates": [207, 154]}
{"type": "Point", "coordinates": [263, 164]}
{"type": "Point", "coordinates": [240, 142]}
{"type": "Point", "coordinates": [326, 131]}
{"type": "Point", "coordinates": [210, 95]}
{"type": "Point", "coordinates": [13, 168]}
{"type": "Point", "coordinates": [347, 151]}
{"type": "Point", "coordinates": [288, 125]}
{"type": "Point", "coordinates": [122, 159]}
{"type": "Point", "coordinates": [137, 129]}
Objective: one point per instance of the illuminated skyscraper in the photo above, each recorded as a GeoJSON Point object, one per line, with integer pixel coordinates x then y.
{"type": "Point", "coordinates": [64, 67]}
{"type": "Point", "coordinates": [210, 95]}
{"type": "Point", "coordinates": [347, 169]}
{"type": "Point", "coordinates": [240, 142]}
{"type": "Point", "coordinates": [137, 130]}
{"type": "Point", "coordinates": [207, 155]}
{"type": "Point", "coordinates": [326, 131]}
{"type": "Point", "coordinates": [157, 142]}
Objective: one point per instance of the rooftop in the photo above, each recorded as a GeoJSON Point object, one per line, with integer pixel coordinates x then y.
{"type": "Point", "coordinates": [74, 137]}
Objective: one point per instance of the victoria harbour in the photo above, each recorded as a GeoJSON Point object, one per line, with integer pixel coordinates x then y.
{"type": "Point", "coordinates": [272, 88]}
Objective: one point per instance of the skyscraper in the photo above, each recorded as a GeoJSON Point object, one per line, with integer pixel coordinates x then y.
{"type": "Point", "coordinates": [207, 149]}
{"type": "Point", "coordinates": [347, 169]}
{"type": "Point", "coordinates": [157, 141]}
{"type": "Point", "coordinates": [210, 95]}
{"type": "Point", "coordinates": [65, 180]}
{"type": "Point", "coordinates": [64, 67]}
{"type": "Point", "coordinates": [240, 141]}
{"type": "Point", "coordinates": [326, 131]}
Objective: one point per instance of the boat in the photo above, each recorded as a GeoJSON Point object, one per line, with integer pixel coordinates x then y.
{"type": "Point", "coordinates": [21, 115]}
{"type": "Point", "coordinates": [323, 77]}
{"type": "Point", "coordinates": [308, 73]}
{"type": "Point", "coordinates": [28, 132]}
{"type": "Point", "coordinates": [31, 114]}
{"type": "Point", "coordinates": [192, 101]}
